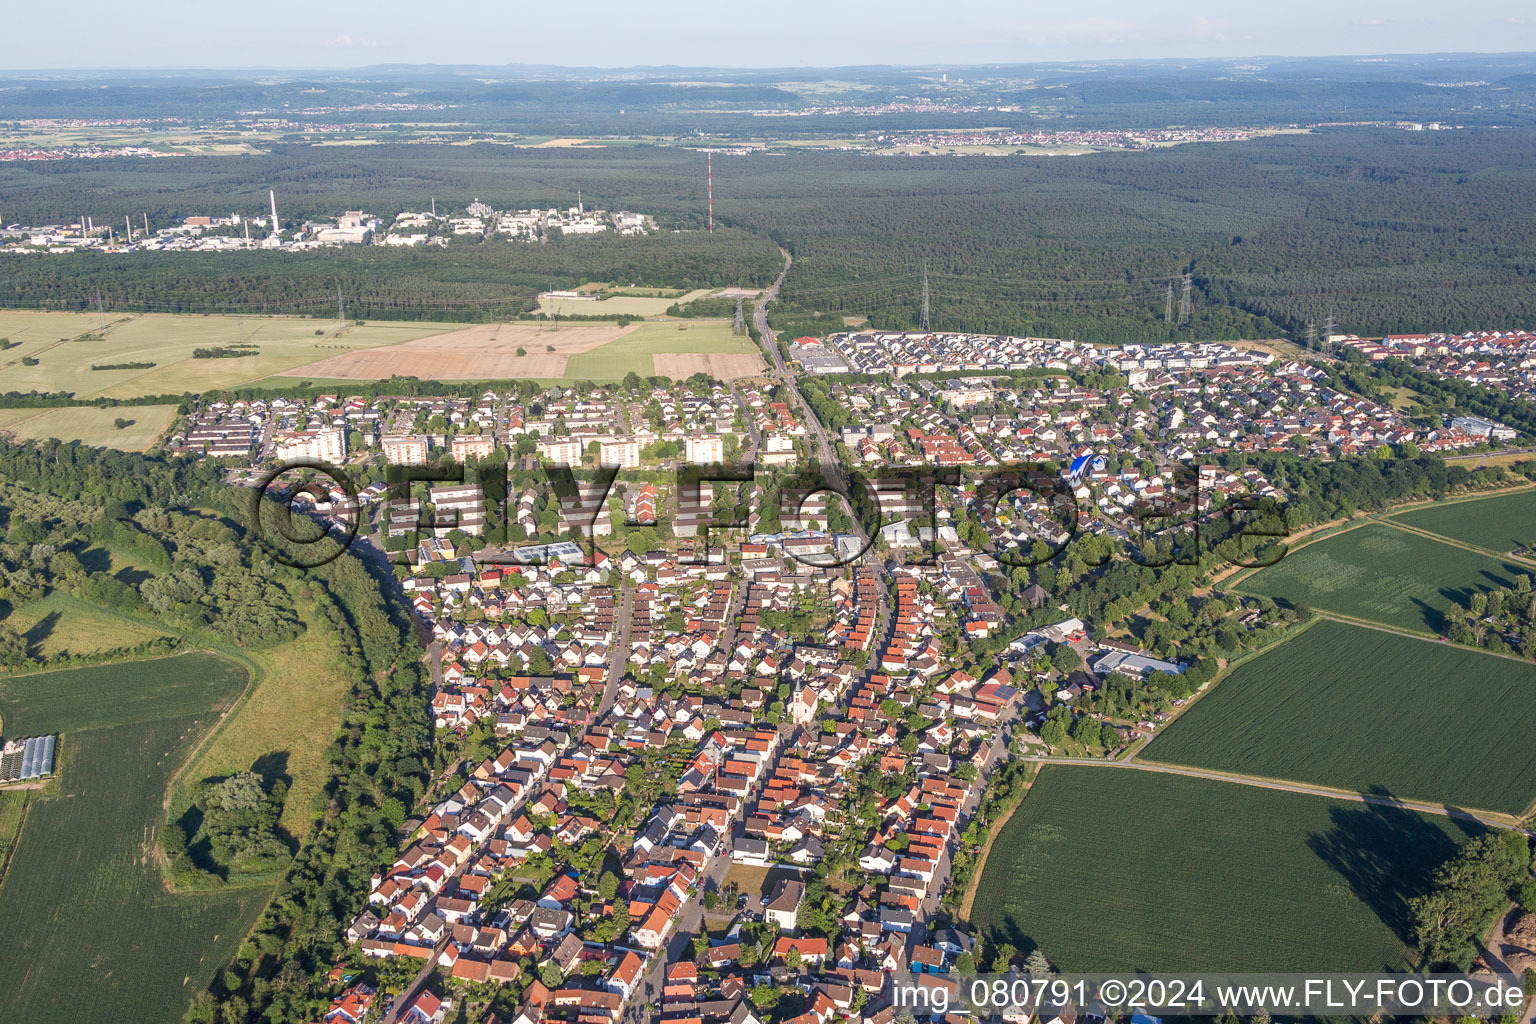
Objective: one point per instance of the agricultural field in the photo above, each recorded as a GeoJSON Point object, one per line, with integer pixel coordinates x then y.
{"type": "Point", "coordinates": [1383, 574]}
{"type": "Point", "coordinates": [168, 341]}
{"type": "Point", "coordinates": [1361, 709]}
{"type": "Point", "coordinates": [91, 425]}
{"type": "Point", "coordinates": [1110, 869]}
{"type": "Point", "coordinates": [577, 351]}
{"type": "Point", "coordinates": [90, 927]}
{"type": "Point", "coordinates": [617, 304]}
{"type": "Point", "coordinates": [286, 723]}
{"type": "Point", "coordinates": [59, 625]}
{"type": "Point", "coordinates": [670, 349]}
{"type": "Point", "coordinates": [1502, 523]}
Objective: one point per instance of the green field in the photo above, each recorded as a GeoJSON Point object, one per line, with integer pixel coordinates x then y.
{"type": "Point", "coordinates": [90, 425]}
{"type": "Point", "coordinates": [1501, 523]}
{"type": "Point", "coordinates": [1357, 708]}
{"type": "Point", "coordinates": [91, 932]}
{"type": "Point", "coordinates": [58, 624]}
{"type": "Point", "coordinates": [1383, 574]}
{"type": "Point", "coordinates": [1110, 869]}
{"type": "Point", "coordinates": [167, 341]}
{"type": "Point", "coordinates": [633, 352]}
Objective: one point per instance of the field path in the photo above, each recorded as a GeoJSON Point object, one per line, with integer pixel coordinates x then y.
{"type": "Point", "coordinates": [1453, 542]}
{"type": "Point", "coordinates": [1489, 818]}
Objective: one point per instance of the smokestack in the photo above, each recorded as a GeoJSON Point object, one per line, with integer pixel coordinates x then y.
{"type": "Point", "coordinates": [146, 225]}
{"type": "Point", "coordinates": [128, 223]}
{"type": "Point", "coordinates": [271, 194]}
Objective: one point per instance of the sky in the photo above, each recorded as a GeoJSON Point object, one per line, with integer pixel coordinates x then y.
{"type": "Point", "coordinates": [74, 34]}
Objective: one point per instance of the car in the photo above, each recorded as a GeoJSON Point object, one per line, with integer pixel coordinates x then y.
{"type": "Point", "coordinates": [741, 901]}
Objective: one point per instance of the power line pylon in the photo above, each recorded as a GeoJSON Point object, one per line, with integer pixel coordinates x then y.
{"type": "Point", "coordinates": [1168, 305]}
{"type": "Point", "coordinates": [739, 324]}
{"type": "Point", "coordinates": [925, 298]}
{"type": "Point", "coordinates": [1185, 301]}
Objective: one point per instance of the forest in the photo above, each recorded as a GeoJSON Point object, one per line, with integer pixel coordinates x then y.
{"type": "Point", "coordinates": [1384, 230]}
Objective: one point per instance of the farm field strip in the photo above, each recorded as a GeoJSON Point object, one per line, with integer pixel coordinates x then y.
{"type": "Point", "coordinates": [1369, 711]}
{"type": "Point", "coordinates": [168, 341]}
{"type": "Point", "coordinates": [1499, 523]}
{"type": "Point", "coordinates": [1382, 574]}
{"type": "Point", "coordinates": [90, 927]}
{"type": "Point", "coordinates": [1124, 869]}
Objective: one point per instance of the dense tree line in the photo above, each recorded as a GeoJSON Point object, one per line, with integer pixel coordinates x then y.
{"type": "Point", "coordinates": [489, 281]}
{"type": "Point", "coordinates": [1466, 894]}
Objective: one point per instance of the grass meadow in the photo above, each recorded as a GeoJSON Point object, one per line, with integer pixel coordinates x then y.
{"type": "Point", "coordinates": [286, 723]}
{"type": "Point", "coordinates": [1383, 574]}
{"type": "Point", "coordinates": [91, 425]}
{"type": "Point", "coordinates": [1357, 708]}
{"type": "Point", "coordinates": [58, 625]}
{"type": "Point", "coordinates": [1109, 869]}
{"type": "Point", "coordinates": [91, 932]}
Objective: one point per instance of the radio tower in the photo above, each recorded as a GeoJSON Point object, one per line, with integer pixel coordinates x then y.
{"type": "Point", "coordinates": [1184, 302]}
{"type": "Point", "coordinates": [709, 182]}
{"type": "Point", "coordinates": [925, 297]}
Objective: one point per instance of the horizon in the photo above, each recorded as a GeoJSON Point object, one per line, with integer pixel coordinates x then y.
{"type": "Point", "coordinates": [1383, 57]}
{"type": "Point", "coordinates": [608, 35]}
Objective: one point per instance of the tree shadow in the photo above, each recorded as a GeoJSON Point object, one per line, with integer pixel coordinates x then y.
{"type": "Point", "coordinates": [1386, 853]}
{"type": "Point", "coordinates": [42, 629]}
{"type": "Point", "coordinates": [95, 560]}
{"type": "Point", "coordinates": [1433, 617]}
{"type": "Point", "coordinates": [272, 767]}
{"type": "Point", "coordinates": [131, 576]}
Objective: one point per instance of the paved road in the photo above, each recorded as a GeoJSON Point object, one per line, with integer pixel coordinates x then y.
{"type": "Point", "coordinates": [409, 992]}
{"type": "Point", "coordinates": [1423, 806]}
{"type": "Point", "coordinates": [618, 662]}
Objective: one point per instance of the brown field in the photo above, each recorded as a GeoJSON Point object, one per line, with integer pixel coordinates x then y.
{"type": "Point", "coordinates": [719, 365]}
{"type": "Point", "coordinates": [486, 352]}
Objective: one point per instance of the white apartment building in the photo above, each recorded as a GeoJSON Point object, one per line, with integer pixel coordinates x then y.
{"type": "Point", "coordinates": [707, 449]}
{"type": "Point", "coordinates": [562, 452]}
{"type": "Point", "coordinates": [311, 445]}
{"type": "Point", "coordinates": [619, 452]}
